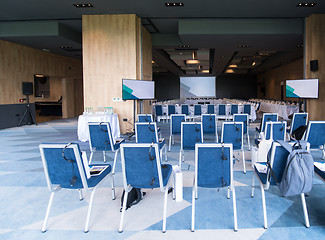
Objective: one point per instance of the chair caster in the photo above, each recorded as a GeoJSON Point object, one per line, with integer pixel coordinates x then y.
{"type": "Point", "coordinates": [44, 231]}
{"type": "Point", "coordinates": [86, 231]}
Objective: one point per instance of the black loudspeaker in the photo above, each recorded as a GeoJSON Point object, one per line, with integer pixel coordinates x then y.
{"type": "Point", "coordinates": [314, 65]}
{"type": "Point", "coordinates": [27, 88]}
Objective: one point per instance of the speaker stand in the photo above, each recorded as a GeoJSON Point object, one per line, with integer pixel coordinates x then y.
{"type": "Point", "coordinates": [26, 113]}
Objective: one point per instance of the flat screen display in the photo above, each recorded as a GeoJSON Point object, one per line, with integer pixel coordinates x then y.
{"type": "Point", "coordinates": [137, 89]}
{"type": "Point", "coordinates": [302, 88]}
{"type": "Point", "coordinates": [197, 87]}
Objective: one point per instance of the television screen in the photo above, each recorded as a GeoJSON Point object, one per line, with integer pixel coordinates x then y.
{"type": "Point", "coordinates": [303, 88]}
{"type": "Point", "coordinates": [137, 89]}
{"type": "Point", "coordinates": [197, 87]}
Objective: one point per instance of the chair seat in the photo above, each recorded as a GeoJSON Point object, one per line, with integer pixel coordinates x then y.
{"type": "Point", "coordinates": [161, 143]}
{"type": "Point", "coordinates": [320, 172]}
{"type": "Point", "coordinates": [94, 180]}
{"type": "Point", "coordinates": [118, 143]}
{"type": "Point", "coordinates": [262, 176]}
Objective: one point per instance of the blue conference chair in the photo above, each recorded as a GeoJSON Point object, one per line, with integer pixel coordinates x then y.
{"type": "Point", "coordinates": [244, 118]}
{"type": "Point", "coordinates": [298, 120]}
{"type": "Point", "coordinates": [222, 111]}
{"type": "Point", "coordinates": [247, 109]}
{"type": "Point", "coordinates": [65, 167]}
{"type": "Point", "coordinates": [211, 109]}
{"type": "Point", "coordinates": [145, 117]}
{"type": "Point", "coordinates": [147, 133]}
{"type": "Point", "coordinates": [267, 117]}
{"type": "Point", "coordinates": [142, 168]}
{"type": "Point", "coordinates": [234, 109]}
{"type": "Point", "coordinates": [159, 113]}
{"type": "Point", "coordinates": [232, 132]}
{"type": "Point", "coordinates": [101, 139]}
{"type": "Point", "coordinates": [175, 127]}
{"type": "Point", "coordinates": [319, 172]}
{"type": "Point", "coordinates": [209, 123]}
{"type": "Point", "coordinates": [276, 130]}
{"type": "Point", "coordinates": [213, 169]}
{"type": "Point", "coordinates": [171, 110]}
{"type": "Point", "coordinates": [315, 135]}
{"type": "Point", "coordinates": [191, 133]}
{"type": "Point", "coordinates": [197, 111]}
{"type": "Point", "coordinates": [278, 159]}
{"type": "Point", "coordinates": [185, 110]}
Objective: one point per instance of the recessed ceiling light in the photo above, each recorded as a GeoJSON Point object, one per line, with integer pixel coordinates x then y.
{"type": "Point", "coordinates": [183, 46]}
{"type": "Point", "coordinates": [233, 66]}
{"type": "Point", "coordinates": [230, 71]}
{"type": "Point", "coordinates": [174, 4]}
{"type": "Point", "coordinates": [153, 61]}
{"type": "Point", "coordinates": [83, 5]}
{"type": "Point", "coordinates": [192, 61]}
{"type": "Point", "coordinates": [205, 71]}
{"type": "Point", "coordinates": [254, 63]}
{"type": "Point", "coordinates": [306, 4]}
{"type": "Point", "coordinates": [243, 46]}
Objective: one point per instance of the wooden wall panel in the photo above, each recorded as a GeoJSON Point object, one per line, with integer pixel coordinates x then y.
{"type": "Point", "coordinates": [19, 64]}
{"type": "Point", "coordinates": [315, 50]}
{"type": "Point", "coordinates": [111, 52]}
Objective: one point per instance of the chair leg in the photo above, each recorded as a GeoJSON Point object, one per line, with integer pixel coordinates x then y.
{"type": "Point", "coordinates": [47, 213]}
{"type": "Point", "coordinates": [304, 206]}
{"type": "Point", "coordinates": [165, 210]}
{"type": "Point", "coordinates": [115, 159]}
{"type": "Point", "coordinates": [104, 155]}
{"type": "Point", "coordinates": [80, 195]}
{"type": "Point", "coordinates": [235, 208]}
{"type": "Point", "coordinates": [253, 185]}
{"type": "Point", "coordinates": [264, 206]}
{"type": "Point", "coordinates": [170, 142]}
{"type": "Point", "coordinates": [165, 153]}
{"type": "Point", "coordinates": [193, 208]}
{"type": "Point", "coordinates": [243, 152]}
{"type": "Point", "coordinates": [113, 187]}
{"type": "Point", "coordinates": [180, 158]}
{"type": "Point", "coordinates": [89, 210]}
{"type": "Point", "coordinates": [123, 211]}
{"type": "Point", "coordinates": [91, 156]}
{"type": "Point", "coordinates": [249, 142]}
{"type": "Point", "coordinates": [173, 140]}
{"type": "Point", "coordinates": [228, 192]}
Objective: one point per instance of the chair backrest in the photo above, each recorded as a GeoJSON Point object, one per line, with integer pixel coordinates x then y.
{"type": "Point", "coordinates": [209, 122]}
{"type": "Point", "coordinates": [278, 159]}
{"type": "Point", "coordinates": [158, 110]}
{"type": "Point", "coordinates": [210, 109]}
{"type": "Point", "coordinates": [222, 109]}
{"type": "Point", "coordinates": [191, 133]}
{"type": "Point", "coordinates": [171, 109]}
{"type": "Point", "coordinates": [100, 136]}
{"type": "Point", "coordinates": [213, 165]}
{"type": "Point", "coordinates": [299, 119]}
{"type": "Point", "coordinates": [146, 132]}
{"type": "Point", "coordinates": [247, 109]}
{"type": "Point", "coordinates": [141, 165]}
{"type": "Point", "coordinates": [197, 109]}
{"type": "Point", "coordinates": [268, 117]}
{"type": "Point", "coordinates": [278, 130]}
{"type": "Point", "coordinates": [185, 109]}
{"type": "Point", "coordinates": [315, 133]}
{"type": "Point", "coordinates": [176, 123]}
{"type": "Point", "coordinates": [62, 162]}
{"type": "Point", "coordinates": [145, 118]}
{"type": "Point", "coordinates": [242, 118]}
{"type": "Point", "coordinates": [234, 109]}
{"type": "Point", "coordinates": [232, 132]}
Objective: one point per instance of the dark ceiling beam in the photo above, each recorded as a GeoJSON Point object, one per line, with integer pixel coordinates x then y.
{"type": "Point", "coordinates": [162, 59]}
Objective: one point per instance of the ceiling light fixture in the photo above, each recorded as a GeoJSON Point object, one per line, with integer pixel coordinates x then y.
{"type": "Point", "coordinates": [205, 71]}
{"type": "Point", "coordinates": [175, 4]}
{"type": "Point", "coordinates": [194, 59]}
{"type": "Point", "coordinates": [230, 70]}
{"type": "Point", "coordinates": [254, 63]}
{"type": "Point", "coordinates": [243, 46]}
{"type": "Point", "coordinates": [184, 46]}
{"type": "Point", "coordinates": [83, 5]}
{"type": "Point", "coordinates": [233, 66]}
{"type": "Point", "coordinates": [306, 4]}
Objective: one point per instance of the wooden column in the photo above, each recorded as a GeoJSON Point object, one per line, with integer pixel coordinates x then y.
{"type": "Point", "coordinates": [315, 50]}
{"type": "Point", "coordinates": [112, 50]}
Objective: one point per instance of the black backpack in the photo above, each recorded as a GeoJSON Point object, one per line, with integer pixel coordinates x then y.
{"type": "Point", "coordinates": [298, 133]}
{"type": "Point", "coordinates": [134, 196]}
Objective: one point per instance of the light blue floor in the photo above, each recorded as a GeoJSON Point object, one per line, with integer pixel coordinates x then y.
{"type": "Point", "coordinates": [24, 197]}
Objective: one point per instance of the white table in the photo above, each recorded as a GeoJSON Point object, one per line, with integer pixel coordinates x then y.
{"type": "Point", "coordinates": [83, 131]}
{"type": "Point", "coordinates": [283, 111]}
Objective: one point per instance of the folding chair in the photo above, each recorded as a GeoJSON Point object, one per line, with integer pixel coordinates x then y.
{"type": "Point", "coordinates": [213, 169]}
{"type": "Point", "coordinates": [277, 160]}
{"type": "Point", "coordinates": [278, 130]}
{"type": "Point", "coordinates": [141, 168]}
{"type": "Point", "coordinates": [147, 133]}
{"type": "Point", "coordinates": [211, 109]}
{"type": "Point", "coordinates": [298, 120]}
{"type": "Point", "coordinates": [266, 118]}
{"type": "Point", "coordinates": [185, 110]}
{"type": "Point", "coordinates": [145, 117]}
{"type": "Point", "coordinates": [222, 111]}
{"type": "Point", "coordinates": [191, 133]}
{"type": "Point", "coordinates": [245, 119]}
{"type": "Point", "coordinates": [315, 135]}
{"type": "Point", "coordinates": [197, 111]}
{"type": "Point", "coordinates": [65, 167]}
{"type": "Point", "coordinates": [209, 123]}
{"type": "Point", "coordinates": [101, 139]}
{"type": "Point", "coordinates": [175, 127]}
{"type": "Point", "coordinates": [247, 109]}
{"type": "Point", "coordinates": [171, 110]}
{"type": "Point", "coordinates": [233, 110]}
{"type": "Point", "coordinates": [232, 132]}
{"type": "Point", "coordinates": [159, 113]}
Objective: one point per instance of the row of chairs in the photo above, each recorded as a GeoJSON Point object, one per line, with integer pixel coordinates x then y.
{"type": "Point", "coordinates": [141, 168]}
{"type": "Point", "coordinates": [222, 110]}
